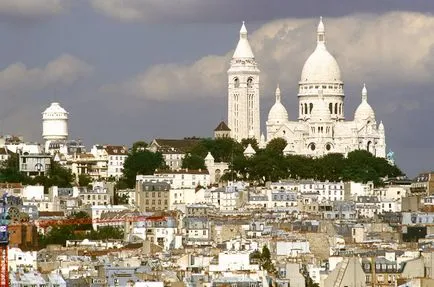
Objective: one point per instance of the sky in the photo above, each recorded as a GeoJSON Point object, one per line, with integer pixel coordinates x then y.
{"type": "Point", "coordinates": [129, 70]}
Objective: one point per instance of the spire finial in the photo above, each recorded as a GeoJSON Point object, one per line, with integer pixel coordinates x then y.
{"type": "Point", "coordinates": [243, 30]}
{"type": "Point", "coordinates": [320, 31]}
{"type": "Point", "coordinates": [278, 97]}
{"type": "Point", "coordinates": [364, 93]}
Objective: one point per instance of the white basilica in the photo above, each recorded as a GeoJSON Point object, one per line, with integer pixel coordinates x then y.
{"type": "Point", "coordinates": [321, 127]}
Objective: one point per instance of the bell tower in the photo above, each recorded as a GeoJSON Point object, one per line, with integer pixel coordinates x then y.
{"type": "Point", "coordinates": [243, 91]}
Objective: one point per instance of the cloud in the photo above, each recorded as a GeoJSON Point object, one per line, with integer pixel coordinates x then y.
{"type": "Point", "coordinates": [32, 8]}
{"type": "Point", "coordinates": [378, 50]}
{"type": "Point", "coordinates": [226, 11]}
{"type": "Point", "coordinates": [64, 71]}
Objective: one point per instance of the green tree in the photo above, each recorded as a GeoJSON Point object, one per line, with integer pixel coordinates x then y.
{"type": "Point", "coordinates": [193, 161]}
{"type": "Point", "coordinates": [141, 162]}
{"type": "Point", "coordinates": [120, 199]}
{"type": "Point", "coordinates": [84, 180]}
{"type": "Point", "coordinates": [59, 176]}
{"type": "Point", "coordinates": [10, 172]}
{"type": "Point", "coordinates": [139, 146]}
{"type": "Point", "coordinates": [276, 145]}
{"type": "Point", "coordinates": [222, 149]}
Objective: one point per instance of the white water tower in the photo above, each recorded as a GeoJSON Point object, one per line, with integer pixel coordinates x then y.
{"type": "Point", "coordinates": [54, 124]}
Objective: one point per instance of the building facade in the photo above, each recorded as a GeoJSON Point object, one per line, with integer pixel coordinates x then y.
{"type": "Point", "coordinates": [321, 126]}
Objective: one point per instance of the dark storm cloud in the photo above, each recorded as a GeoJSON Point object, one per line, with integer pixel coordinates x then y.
{"type": "Point", "coordinates": [226, 11]}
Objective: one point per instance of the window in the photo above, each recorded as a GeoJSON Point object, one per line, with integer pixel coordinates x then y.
{"type": "Point", "coordinates": [250, 82]}
{"type": "Point", "coordinates": [236, 83]}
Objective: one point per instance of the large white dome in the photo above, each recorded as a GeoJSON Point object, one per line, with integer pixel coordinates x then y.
{"type": "Point", "coordinates": [278, 112]}
{"type": "Point", "coordinates": [321, 67]}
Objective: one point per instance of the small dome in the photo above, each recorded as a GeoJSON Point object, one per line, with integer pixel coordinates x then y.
{"type": "Point", "coordinates": [364, 111]}
{"type": "Point", "coordinates": [278, 112]}
{"type": "Point", "coordinates": [321, 66]}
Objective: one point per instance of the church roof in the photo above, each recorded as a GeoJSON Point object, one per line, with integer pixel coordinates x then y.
{"type": "Point", "coordinates": [222, 127]}
{"type": "Point", "coordinates": [243, 49]}
{"type": "Point", "coordinates": [321, 66]}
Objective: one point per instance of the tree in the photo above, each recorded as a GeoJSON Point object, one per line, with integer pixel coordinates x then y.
{"type": "Point", "coordinates": [59, 176]}
{"type": "Point", "coordinates": [84, 180]}
{"type": "Point", "coordinates": [264, 258]}
{"type": "Point", "coordinates": [139, 146]}
{"type": "Point", "coordinates": [120, 199]}
{"type": "Point", "coordinates": [141, 162]}
{"type": "Point", "coordinates": [222, 149]}
{"type": "Point", "coordinates": [193, 161]}
{"type": "Point", "coordinates": [276, 145]}
{"type": "Point", "coordinates": [10, 171]}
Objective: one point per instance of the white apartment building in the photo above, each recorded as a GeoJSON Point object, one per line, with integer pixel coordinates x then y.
{"type": "Point", "coordinates": [95, 197]}
{"type": "Point", "coordinates": [178, 179]}
{"type": "Point", "coordinates": [292, 247]}
{"type": "Point", "coordinates": [225, 199]}
{"type": "Point", "coordinates": [355, 189]}
{"type": "Point", "coordinates": [116, 156]}
{"type": "Point", "coordinates": [96, 212]}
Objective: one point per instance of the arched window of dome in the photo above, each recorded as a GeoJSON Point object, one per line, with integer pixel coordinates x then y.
{"type": "Point", "coordinates": [305, 109]}
{"type": "Point", "coordinates": [336, 108]}
{"type": "Point", "coordinates": [310, 107]}
{"type": "Point", "coordinates": [301, 108]}
{"type": "Point", "coordinates": [236, 82]}
{"type": "Point", "coordinates": [340, 109]}
{"type": "Point", "coordinates": [249, 82]}
{"type": "Point", "coordinates": [331, 108]}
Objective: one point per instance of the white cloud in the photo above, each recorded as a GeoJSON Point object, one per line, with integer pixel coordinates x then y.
{"type": "Point", "coordinates": [64, 70]}
{"type": "Point", "coordinates": [378, 50]}
{"type": "Point", "coordinates": [32, 8]}
{"type": "Point", "coordinates": [146, 10]}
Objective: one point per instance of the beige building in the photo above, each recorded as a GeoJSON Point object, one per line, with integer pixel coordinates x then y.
{"type": "Point", "coordinates": [153, 196]}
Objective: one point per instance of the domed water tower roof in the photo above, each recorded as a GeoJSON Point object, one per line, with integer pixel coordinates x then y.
{"type": "Point", "coordinates": [55, 111]}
